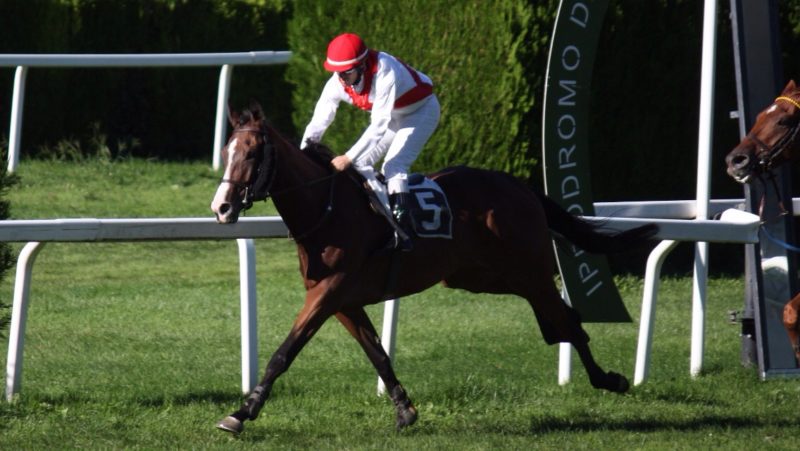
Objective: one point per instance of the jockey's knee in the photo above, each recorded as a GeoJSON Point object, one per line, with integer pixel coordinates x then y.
{"type": "Point", "coordinates": [397, 182]}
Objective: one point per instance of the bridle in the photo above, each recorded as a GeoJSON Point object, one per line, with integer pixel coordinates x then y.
{"type": "Point", "coordinates": [766, 157]}
{"type": "Point", "coordinates": [265, 176]}
{"type": "Point", "coordinates": [767, 154]}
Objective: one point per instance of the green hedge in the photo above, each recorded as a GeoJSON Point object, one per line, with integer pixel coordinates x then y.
{"type": "Point", "coordinates": [485, 59]}
{"type": "Point", "coordinates": [6, 258]}
{"type": "Point", "coordinates": [169, 112]}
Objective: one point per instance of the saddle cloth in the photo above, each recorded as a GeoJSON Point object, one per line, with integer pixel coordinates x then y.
{"type": "Point", "coordinates": [432, 217]}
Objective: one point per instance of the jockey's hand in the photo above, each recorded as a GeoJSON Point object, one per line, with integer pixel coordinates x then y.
{"type": "Point", "coordinates": [307, 143]}
{"type": "Point", "coordinates": [341, 163]}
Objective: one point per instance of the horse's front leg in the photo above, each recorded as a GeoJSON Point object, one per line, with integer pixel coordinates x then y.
{"type": "Point", "coordinates": [360, 327]}
{"type": "Point", "coordinates": [311, 317]}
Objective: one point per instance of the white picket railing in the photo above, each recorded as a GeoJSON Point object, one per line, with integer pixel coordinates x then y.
{"type": "Point", "coordinates": [227, 60]}
{"type": "Point", "coordinates": [39, 232]}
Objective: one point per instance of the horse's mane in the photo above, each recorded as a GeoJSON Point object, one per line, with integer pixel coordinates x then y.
{"type": "Point", "coordinates": [317, 152]}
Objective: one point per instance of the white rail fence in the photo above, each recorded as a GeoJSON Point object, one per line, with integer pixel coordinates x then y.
{"type": "Point", "coordinates": [227, 60]}
{"type": "Point", "coordinates": [735, 226]}
{"type": "Point", "coordinates": [738, 227]}
{"type": "Point", "coordinates": [39, 232]}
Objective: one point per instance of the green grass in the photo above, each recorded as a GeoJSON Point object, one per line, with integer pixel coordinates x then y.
{"type": "Point", "coordinates": [137, 346]}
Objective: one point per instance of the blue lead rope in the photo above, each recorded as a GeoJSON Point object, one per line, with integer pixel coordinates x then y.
{"type": "Point", "coordinates": [780, 243]}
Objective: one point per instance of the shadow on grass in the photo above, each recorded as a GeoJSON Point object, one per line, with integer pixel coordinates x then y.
{"type": "Point", "coordinates": [694, 423]}
{"type": "Point", "coordinates": [185, 399]}
{"type": "Point", "coordinates": [154, 400]}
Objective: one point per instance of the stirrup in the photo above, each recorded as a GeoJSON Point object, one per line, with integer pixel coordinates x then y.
{"type": "Point", "coordinates": [401, 212]}
{"type": "Point", "coordinates": [403, 244]}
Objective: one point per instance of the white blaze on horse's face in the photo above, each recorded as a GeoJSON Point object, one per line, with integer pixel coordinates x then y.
{"type": "Point", "coordinates": [222, 205]}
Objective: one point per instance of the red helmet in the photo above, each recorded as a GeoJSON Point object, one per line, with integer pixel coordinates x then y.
{"type": "Point", "coordinates": [345, 52]}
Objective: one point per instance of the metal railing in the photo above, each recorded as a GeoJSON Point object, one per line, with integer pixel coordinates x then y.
{"type": "Point", "coordinates": [227, 60]}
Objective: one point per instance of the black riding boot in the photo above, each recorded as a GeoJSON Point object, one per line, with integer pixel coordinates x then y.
{"type": "Point", "coordinates": [401, 209]}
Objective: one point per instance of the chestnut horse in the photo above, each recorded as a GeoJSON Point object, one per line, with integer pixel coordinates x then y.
{"type": "Point", "coordinates": [772, 142]}
{"type": "Point", "coordinates": [500, 244]}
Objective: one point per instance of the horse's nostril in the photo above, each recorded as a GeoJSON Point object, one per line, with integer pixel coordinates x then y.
{"type": "Point", "coordinates": [740, 161]}
{"type": "Point", "coordinates": [224, 208]}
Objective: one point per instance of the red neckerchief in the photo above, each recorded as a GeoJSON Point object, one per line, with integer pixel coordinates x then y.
{"type": "Point", "coordinates": [361, 100]}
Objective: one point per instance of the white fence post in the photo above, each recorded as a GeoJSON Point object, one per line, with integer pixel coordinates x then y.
{"type": "Point", "coordinates": [652, 279]}
{"type": "Point", "coordinates": [17, 106]}
{"type": "Point", "coordinates": [391, 308]}
{"type": "Point", "coordinates": [564, 350]}
{"type": "Point", "coordinates": [249, 313]}
{"type": "Point", "coordinates": [221, 126]}
{"type": "Point", "coordinates": [705, 138]}
{"type": "Point", "coordinates": [19, 316]}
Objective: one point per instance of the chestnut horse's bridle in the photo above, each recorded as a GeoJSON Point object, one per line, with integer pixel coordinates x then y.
{"type": "Point", "coordinates": [767, 154]}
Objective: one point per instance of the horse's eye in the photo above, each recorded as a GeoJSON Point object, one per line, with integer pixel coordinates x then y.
{"type": "Point", "coordinates": [787, 122]}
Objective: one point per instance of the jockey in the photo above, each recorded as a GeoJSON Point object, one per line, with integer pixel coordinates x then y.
{"type": "Point", "coordinates": [404, 112]}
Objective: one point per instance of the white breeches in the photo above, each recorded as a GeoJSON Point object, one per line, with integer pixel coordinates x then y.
{"type": "Point", "coordinates": [401, 144]}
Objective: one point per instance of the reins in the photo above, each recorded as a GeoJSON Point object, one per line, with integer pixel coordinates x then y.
{"type": "Point", "coordinates": [325, 214]}
{"type": "Point", "coordinates": [782, 212]}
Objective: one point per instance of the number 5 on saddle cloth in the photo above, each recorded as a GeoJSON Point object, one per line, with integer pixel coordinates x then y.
{"type": "Point", "coordinates": [431, 218]}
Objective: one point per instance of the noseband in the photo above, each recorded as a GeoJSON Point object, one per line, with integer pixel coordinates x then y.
{"type": "Point", "coordinates": [262, 173]}
{"type": "Point", "coordinates": [767, 154]}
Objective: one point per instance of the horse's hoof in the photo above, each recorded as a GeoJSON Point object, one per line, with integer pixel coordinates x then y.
{"type": "Point", "coordinates": [230, 424]}
{"type": "Point", "coordinates": [406, 417]}
{"type": "Point", "coordinates": [619, 383]}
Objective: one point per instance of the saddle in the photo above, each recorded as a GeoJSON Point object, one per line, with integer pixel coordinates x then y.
{"type": "Point", "coordinates": [431, 217]}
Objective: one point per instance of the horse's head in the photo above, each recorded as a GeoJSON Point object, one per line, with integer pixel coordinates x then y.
{"type": "Point", "coordinates": [772, 141]}
{"type": "Point", "coordinates": [249, 165]}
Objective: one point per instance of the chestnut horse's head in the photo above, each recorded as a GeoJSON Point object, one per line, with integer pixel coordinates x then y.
{"type": "Point", "coordinates": [772, 141]}
{"type": "Point", "coordinates": [249, 165]}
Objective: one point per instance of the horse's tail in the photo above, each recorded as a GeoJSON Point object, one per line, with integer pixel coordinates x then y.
{"type": "Point", "coordinates": [587, 235]}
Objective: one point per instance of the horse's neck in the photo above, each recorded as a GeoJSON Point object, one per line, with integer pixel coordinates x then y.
{"type": "Point", "coordinates": [299, 191]}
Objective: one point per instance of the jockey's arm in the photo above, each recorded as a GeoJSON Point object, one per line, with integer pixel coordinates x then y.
{"type": "Point", "coordinates": [381, 115]}
{"type": "Point", "coordinates": [324, 112]}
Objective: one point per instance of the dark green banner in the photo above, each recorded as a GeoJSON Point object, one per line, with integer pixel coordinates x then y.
{"type": "Point", "coordinates": [587, 278]}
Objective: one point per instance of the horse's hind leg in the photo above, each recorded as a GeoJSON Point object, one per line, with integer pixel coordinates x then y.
{"type": "Point", "coordinates": [360, 327]}
{"type": "Point", "coordinates": [610, 381]}
{"type": "Point", "coordinates": [561, 323]}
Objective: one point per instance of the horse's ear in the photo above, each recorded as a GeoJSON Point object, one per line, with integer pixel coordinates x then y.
{"type": "Point", "coordinates": [233, 116]}
{"type": "Point", "coordinates": [256, 110]}
{"type": "Point", "coordinates": [790, 87]}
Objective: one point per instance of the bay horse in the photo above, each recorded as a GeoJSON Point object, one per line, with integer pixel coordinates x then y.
{"type": "Point", "coordinates": [772, 142]}
{"type": "Point", "coordinates": [500, 244]}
